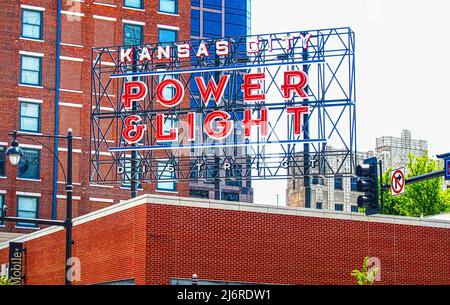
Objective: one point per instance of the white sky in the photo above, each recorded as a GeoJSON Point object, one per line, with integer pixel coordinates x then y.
{"type": "Point", "coordinates": [401, 65]}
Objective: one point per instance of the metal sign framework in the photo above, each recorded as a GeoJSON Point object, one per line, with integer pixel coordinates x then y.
{"type": "Point", "coordinates": [329, 60]}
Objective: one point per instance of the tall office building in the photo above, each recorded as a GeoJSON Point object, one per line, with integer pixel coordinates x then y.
{"type": "Point", "coordinates": [216, 19]}
{"type": "Point", "coordinates": [394, 151]}
{"type": "Point", "coordinates": [33, 101]}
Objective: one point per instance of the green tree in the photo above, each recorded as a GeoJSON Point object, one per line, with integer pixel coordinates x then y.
{"type": "Point", "coordinates": [4, 281]}
{"type": "Point", "coordinates": [422, 198]}
{"type": "Point", "coordinates": [365, 276]}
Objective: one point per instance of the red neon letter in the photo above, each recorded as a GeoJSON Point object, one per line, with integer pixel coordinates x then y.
{"type": "Point", "coordinates": [160, 136]}
{"type": "Point", "coordinates": [212, 88]}
{"type": "Point", "coordinates": [249, 122]}
{"type": "Point", "coordinates": [133, 133]}
{"type": "Point", "coordinates": [191, 126]}
{"type": "Point", "coordinates": [179, 92]}
{"type": "Point", "coordinates": [128, 96]}
{"type": "Point", "coordinates": [248, 87]}
{"type": "Point", "coordinates": [297, 111]}
{"type": "Point", "coordinates": [224, 125]}
{"type": "Point", "coordinates": [299, 87]}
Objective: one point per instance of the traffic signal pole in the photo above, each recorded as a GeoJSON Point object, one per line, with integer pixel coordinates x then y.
{"type": "Point", "coordinates": [432, 175]}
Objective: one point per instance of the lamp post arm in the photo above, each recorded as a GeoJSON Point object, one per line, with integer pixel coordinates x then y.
{"type": "Point", "coordinates": [46, 147]}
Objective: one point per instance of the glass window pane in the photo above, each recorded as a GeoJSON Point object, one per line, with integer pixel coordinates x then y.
{"type": "Point", "coordinates": [31, 31]}
{"type": "Point", "coordinates": [31, 24]}
{"type": "Point", "coordinates": [31, 78]}
{"type": "Point", "coordinates": [29, 164]}
{"type": "Point", "coordinates": [2, 202]}
{"type": "Point", "coordinates": [132, 35]}
{"type": "Point", "coordinates": [31, 63]}
{"type": "Point", "coordinates": [27, 208]}
{"type": "Point", "coordinates": [168, 6]}
{"type": "Point", "coordinates": [2, 160]}
{"type": "Point", "coordinates": [167, 36]}
{"type": "Point", "coordinates": [164, 173]}
{"type": "Point", "coordinates": [169, 91]}
{"type": "Point", "coordinates": [134, 3]}
{"type": "Point", "coordinates": [29, 124]}
{"type": "Point", "coordinates": [29, 109]}
{"type": "Point", "coordinates": [30, 70]}
{"type": "Point", "coordinates": [32, 17]}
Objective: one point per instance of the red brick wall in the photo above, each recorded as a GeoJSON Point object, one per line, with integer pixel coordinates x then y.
{"type": "Point", "coordinates": [80, 33]}
{"type": "Point", "coordinates": [154, 243]}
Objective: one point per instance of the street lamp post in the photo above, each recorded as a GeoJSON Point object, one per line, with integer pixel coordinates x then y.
{"type": "Point", "coordinates": [15, 153]}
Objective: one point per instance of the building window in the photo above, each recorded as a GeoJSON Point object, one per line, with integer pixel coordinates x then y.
{"type": "Point", "coordinates": [165, 174]}
{"type": "Point", "coordinates": [169, 91]}
{"type": "Point", "coordinates": [234, 176]}
{"type": "Point", "coordinates": [30, 117]}
{"type": "Point", "coordinates": [29, 165]}
{"type": "Point", "coordinates": [230, 196]}
{"type": "Point", "coordinates": [338, 183]}
{"type": "Point", "coordinates": [30, 70]}
{"type": "Point", "coordinates": [353, 181]}
{"type": "Point", "coordinates": [134, 3]}
{"type": "Point", "coordinates": [126, 176]}
{"type": "Point", "coordinates": [355, 209]}
{"type": "Point", "coordinates": [317, 180]}
{"type": "Point", "coordinates": [132, 34]}
{"type": "Point", "coordinates": [339, 207]}
{"type": "Point", "coordinates": [166, 36]}
{"type": "Point", "coordinates": [27, 207]}
{"type": "Point", "coordinates": [199, 193]}
{"type": "Point", "coordinates": [31, 24]}
{"type": "Point", "coordinates": [2, 204]}
{"type": "Point", "coordinates": [2, 160]}
{"type": "Point", "coordinates": [168, 6]}
{"type": "Point", "coordinates": [319, 205]}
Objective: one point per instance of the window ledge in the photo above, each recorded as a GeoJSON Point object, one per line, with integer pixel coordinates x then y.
{"type": "Point", "coordinates": [24, 132]}
{"type": "Point", "coordinates": [163, 191]}
{"type": "Point", "coordinates": [27, 228]}
{"type": "Point", "coordinates": [3, 177]}
{"type": "Point", "coordinates": [29, 179]}
{"type": "Point", "coordinates": [105, 4]}
{"type": "Point", "coordinates": [31, 86]}
{"type": "Point", "coordinates": [129, 188]}
{"type": "Point", "coordinates": [170, 14]}
{"type": "Point", "coordinates": [31, 39]}
{"type": "Point", "coordinates": [134, 9]}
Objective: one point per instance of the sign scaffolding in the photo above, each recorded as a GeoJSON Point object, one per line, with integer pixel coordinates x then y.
{"type": "Point", "coordinates": [254, 107]}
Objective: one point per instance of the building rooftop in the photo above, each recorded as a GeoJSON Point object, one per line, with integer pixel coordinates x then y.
{"type": "Point", "coordinates": [235, 206]}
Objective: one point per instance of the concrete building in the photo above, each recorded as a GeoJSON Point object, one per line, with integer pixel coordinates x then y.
{"type": "Point", "coordinates": [335, 193]}
{"type": "Point", "coordinates": [339, 193]}
{"type": "Point", "coordinates": [394, 151]}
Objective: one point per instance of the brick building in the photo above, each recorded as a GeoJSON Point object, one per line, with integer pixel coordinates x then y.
{"type": "Point", "coordinates": [29, 103]}
{"type": "Point", "coordinates": [156, 239]}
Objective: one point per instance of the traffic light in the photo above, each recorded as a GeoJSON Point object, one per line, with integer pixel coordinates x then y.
{"type": "Point", "coordinates": [368, 185]}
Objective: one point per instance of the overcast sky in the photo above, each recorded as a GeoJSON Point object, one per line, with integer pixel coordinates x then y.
{"type": "Point", "coordinates": [401, 65]}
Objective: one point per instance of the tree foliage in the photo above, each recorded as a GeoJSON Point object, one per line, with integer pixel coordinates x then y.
{"type": "Point", "coordinates": [4, 281]}
{"type": "Point", "coordinates": [422, 198]}
{"type": "Point", "coordinates": [365, 276]}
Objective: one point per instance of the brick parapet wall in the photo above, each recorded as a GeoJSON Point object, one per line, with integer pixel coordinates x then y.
{"type": "Point", "coordinates": [156, 238]}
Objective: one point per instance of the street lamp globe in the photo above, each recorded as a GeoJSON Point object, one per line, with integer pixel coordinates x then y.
{"type": "Point", "coordinates": [14, 153]}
